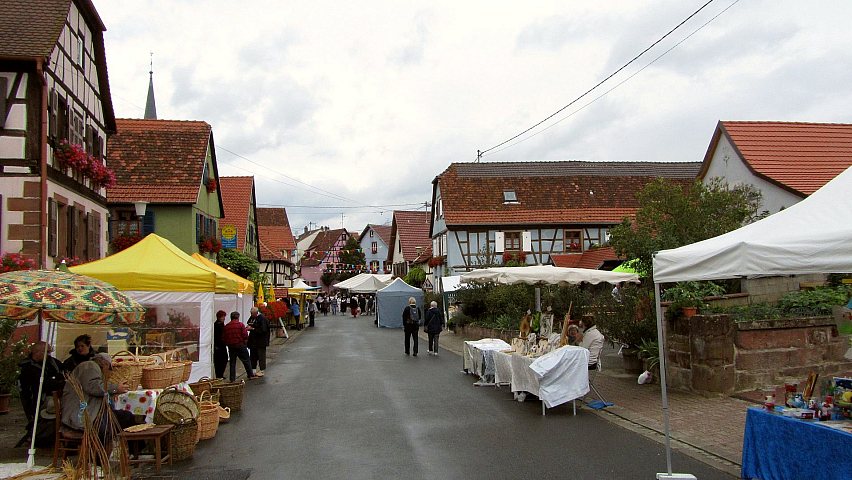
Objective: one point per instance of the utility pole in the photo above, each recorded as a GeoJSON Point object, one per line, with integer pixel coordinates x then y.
{"type": "Point", "coordinates": [342, 216]}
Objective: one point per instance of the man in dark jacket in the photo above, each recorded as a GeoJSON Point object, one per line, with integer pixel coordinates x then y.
{"type": "Point", "coordinates": [353, 306]}
{"type": "Point", "coordinates": [433, 325]}
{"type": "Point", "coordinates": [410, 323]}
{"type": "Point", "coordinates": [235, 337]}
{"type": "Point", "coordinates": [29, 379]}
{"type": "Point", "coordinates": [220, 351]}
{"type": "Point", "coordinates": [258, 327]}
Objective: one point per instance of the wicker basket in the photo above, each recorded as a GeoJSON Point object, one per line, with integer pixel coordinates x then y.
{"type": "Point", "coordinates": [230, 395]}
{"type": "Point", "coordinates": [204, 384]}
{"type": "Point", "coordinates": [208, 417]}
{"type": "Point", "coordinates": [184, 436]}
{"type": "Point", "coordinates": [127, 368]}
{"type": "Point", "coordinates": [161, 373]}
{"type": "Point", "coordinates": [174, 406]}
{"type": "Point", "coordinates": [224, 414]}
{"type": "Point", "coordinates": [187, 370]}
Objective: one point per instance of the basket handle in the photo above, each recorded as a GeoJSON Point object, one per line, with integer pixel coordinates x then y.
{"type": "Point", "coordinates": [201, 397]}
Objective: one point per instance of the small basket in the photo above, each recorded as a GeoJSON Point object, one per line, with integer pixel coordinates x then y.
{"type": "Point", "coordinates": [127, 368]}
{"type": "Point", "coordinates": [204, 384]}
{"type": "Point", "coordinates": [184, 436]}
{"type": "Point", "coordinates": [230, 394]}
{"type": "Point", "coordinates": [224, 414]}
{"type": "Point", "coordinates": [174, 406]}
{"type": "Point", "coordinates": [208, 417]}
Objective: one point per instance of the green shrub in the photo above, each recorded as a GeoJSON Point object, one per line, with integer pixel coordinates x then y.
{"type": "Point", "coordinates": [819, 301]}
{"type": "Point", "coordinates": [630, 321]}
{"type": "Point", "coordinates": [512, 300]}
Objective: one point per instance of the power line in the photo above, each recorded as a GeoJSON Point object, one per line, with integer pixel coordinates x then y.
{"type": "Point", "coordinates": [341, 206]}
{"type": "Point", "coordinates": [557, 122]}
{"type": "Point", "coordinates": [480, 153]}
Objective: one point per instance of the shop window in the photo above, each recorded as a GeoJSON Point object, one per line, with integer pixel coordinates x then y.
{"type": "Point", "coordinates": [574, 241]}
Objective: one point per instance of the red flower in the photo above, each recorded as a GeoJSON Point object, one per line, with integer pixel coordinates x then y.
{"type": "Point", "coordinates": [11, 262]}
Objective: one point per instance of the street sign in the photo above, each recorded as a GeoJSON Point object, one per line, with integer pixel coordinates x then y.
{"type": "Point", "coordinates": [229, 236]}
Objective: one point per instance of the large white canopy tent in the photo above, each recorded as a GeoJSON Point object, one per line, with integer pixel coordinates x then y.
{"type": "Point", "coordinates": [365, 282]}
{"type": "Point", "coordinates": [812, 236]}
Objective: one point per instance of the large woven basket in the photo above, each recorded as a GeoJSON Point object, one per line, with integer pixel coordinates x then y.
{"type": "Point", "coordinates": [204, 384]}
{"type": "Point", "coordinates": [184, 436]}
{"type": "Point", "coordinates": [127, 368]}
{"type": "Point", "coordinates": [161, 374]}
{"type": "Point", "coordinates": [208, 417]}
{"type": "Point", "coordinates": [230, 395]}
{"type": "Point", "coordinates": [174, 407]}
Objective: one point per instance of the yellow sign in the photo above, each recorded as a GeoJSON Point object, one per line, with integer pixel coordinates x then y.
{"type": "Point", "coordinates": [229, 236]}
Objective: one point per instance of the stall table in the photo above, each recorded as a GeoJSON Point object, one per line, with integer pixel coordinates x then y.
{"type": "Point", "coordinates": [478, 357]}
{"type": "Point", "coordinates": [139, 402]}
{"type": "Point", "coordinates": [776, 447]}
{"type": "Point", "coordinates": [557, 377]}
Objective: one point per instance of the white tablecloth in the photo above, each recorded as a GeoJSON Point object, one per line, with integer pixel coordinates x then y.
{"type": "Point", "coordinates": [556, 378]}
{"type": "Point", "coordinates": [474, 361]}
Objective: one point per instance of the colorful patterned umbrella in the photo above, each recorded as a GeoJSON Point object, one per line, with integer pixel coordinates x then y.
{"type": "Point", "coordinates": [65, 297]}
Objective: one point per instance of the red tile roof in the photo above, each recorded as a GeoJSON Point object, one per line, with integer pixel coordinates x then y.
{"type": "Point", "coordinates": [31, 29]}
{"type": "Point", "coordinates": [270, 216]}
{"type": "Point", "coordinates": [159, 161]}
{"type": "Point", "coordinates": [325, 240]}
{"type": "Point", "coordinates": [383, 231]}
{"type": "Point", "coordinates": [801, 157]}
{"type": "Point", "coordinates": [549, 192]}
{"type": "Point", "coordinates": [412, 229]}
{"type": "Point", "coordinates": [593, 258]}
{"type": "Point", "coordinates": [237, 196]}
{"type": "Point", "coordinates": [274, 240]}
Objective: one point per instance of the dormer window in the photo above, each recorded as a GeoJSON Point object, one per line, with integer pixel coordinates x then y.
{"type": "Point", "coordinates": [509, 196]}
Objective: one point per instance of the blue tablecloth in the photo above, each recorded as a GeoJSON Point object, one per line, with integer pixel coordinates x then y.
{"type": "Point", "coordinates": [777, 447]}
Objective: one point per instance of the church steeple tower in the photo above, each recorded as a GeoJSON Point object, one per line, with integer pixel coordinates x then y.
{"type": "Point", "coordinates": [150, 104]}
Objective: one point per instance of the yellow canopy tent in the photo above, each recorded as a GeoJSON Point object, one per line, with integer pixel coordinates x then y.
{"type": "Point", "coordinates": [181, 293]}
{"type": "Point", "coordinates": [157, 265]}
{"type": "Point", "coordinates": [244, 286]}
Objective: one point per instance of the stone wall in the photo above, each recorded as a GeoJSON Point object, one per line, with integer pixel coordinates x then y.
{"type": "Point", "coordinates": [713, 353]}
{"type": "Point", "coordinates": [771, 289]}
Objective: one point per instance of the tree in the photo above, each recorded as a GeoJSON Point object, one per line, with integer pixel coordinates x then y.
{"type": "Point", "coordinates": [351, 253]}
{"type": "Point", "coordinates": [238, 262]}
{"type": "Point", "coordinates": [671, 215]}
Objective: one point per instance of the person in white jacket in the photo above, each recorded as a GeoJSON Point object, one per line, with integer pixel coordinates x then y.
{"type": "Point", "coordinates": [592, 341]}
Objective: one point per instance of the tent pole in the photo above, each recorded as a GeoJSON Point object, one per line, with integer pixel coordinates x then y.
{"type": "Point", "coordinates": [51, 327]}
{"type": "Point", "coordinates": [661, 340]}
{"type": "Point", "coordinates": [537, 298]}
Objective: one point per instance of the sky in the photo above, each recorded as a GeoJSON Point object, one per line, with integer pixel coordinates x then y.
{"type": "Point", "coordinates": [346, 111]}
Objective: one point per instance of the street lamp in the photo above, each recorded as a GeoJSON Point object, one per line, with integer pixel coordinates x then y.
{"type": "Point", "coordinates": [141, 206]}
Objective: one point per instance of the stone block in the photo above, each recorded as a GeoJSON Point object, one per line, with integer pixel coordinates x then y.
{"type": "Point", "coordinates": [746, 381]}
{"type": "Point", "coordinates": [32, 189]}
{"type": "Point", "coordinates": [720, 379]}
{"type": "Point", "coordinates": [23, 204]}
{"type": "Point", "coordinates": [23, 232]}
{"type": "Point", "coordinates": [679, 378]}
{"type": "Point", "coordinates": [774, 338]}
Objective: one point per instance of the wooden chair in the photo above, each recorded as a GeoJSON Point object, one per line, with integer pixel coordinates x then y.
{"type": "Point", "coordinates": [67, 441]}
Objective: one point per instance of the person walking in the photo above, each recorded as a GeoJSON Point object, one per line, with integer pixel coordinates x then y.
{"type": "Point", "coordinates": [371, 303]}
{"type": "Point", "coordinates": [353, 305]}
{"type": "Point", "coordinates": [410, 323]}
{"type": "Point", "coordinates": [433, 325]}
{"type": "Point", "coordinates": [362, 304]}
{"type": "Point", "coordinates": [312, 311]}
{"type": "Point", "coordinates": [235, 336]}
{"type": "Point", "coordinates": [220, 351]}
{"type": "Point", "coordinates": [333, 305]}
{"type": "Point", "coordinates": [258, 340]}
{"type": "Point", "coordinates": [294, 307]}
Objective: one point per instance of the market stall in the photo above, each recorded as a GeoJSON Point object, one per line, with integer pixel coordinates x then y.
{"type": "Point", "coordinates": [392, 300]}
{"type": "Point", "coordinates": [300, 292]}
{"type": "Point", "coordinates": [812, 236]}
{"type": "Point", "coordinates": [557, 377]}
{"type": "Point", "coordinates": [241, 301]}
{"type": "Point", "coordinates": [179, 293]}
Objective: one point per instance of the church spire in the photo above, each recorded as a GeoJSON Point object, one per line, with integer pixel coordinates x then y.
{"type": "Point", "coordinates": [150, 105]}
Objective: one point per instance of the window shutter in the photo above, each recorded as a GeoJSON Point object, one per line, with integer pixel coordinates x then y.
{"type": "Point", "coordinates": [499, 242]}
{"type": "Point", "coordinates": [80, 234]}
{"type": "Point", "coordinates": [526, 241]}
{"type": "Point", "coordinates": [51, 114]}
{"type": "Point", "coordinates": [90, 139]}
{"type": "Point", "coordinates": [52, 226]}
{"type": "Point", "coordinates": [197, 227]}
{"type": "Point", "coordinates": [90, 236]}
{"type": "Point", "coordinates": [148, 222]}
{"type": "Point", "coordinates": [96, 241]}
{"type": "Point", "coordinates": [4, 84]}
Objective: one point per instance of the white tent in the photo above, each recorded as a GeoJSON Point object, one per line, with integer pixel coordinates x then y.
{"type": "Point", "coordinates": [546, 275]}
{"type": "Point", "coordinates": [300, 284]}
{"type": "Point", "coordinates": [365, 283]}
{"type": "Point", "coordinates": [812, 236]}
{"type": "Point", "coordinates": [350, 281]}
{"type": "Point", "coordinates": [391, 301]}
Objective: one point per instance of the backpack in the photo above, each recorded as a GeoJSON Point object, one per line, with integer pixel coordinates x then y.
{"type": "Point", "coordinates": [413, 316]}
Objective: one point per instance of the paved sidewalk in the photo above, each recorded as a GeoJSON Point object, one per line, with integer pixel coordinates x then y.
{"type": "Point", "coordinates": [709, 429]}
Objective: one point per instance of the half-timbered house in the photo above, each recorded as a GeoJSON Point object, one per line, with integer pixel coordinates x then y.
{"type": "Point", "coordinates": [277, 245]}
{"type": "Point", "coordinates": [240, 219]}
{"type": "Point", "coordinates": [409, 239]}
{"type": "Point", "coordinates": [324, 255]}
{"type": "Point", "coordinates": [55, 116]}
{"type": "Point", "coordinates": [489, 214]}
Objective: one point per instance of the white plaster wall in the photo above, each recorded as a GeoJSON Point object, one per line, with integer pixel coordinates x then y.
{"type": "Point", "coordinates": [727, 164]}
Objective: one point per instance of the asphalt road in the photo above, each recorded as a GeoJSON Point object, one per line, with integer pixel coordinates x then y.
{"type": "Point", "coordinates": [343, 401]}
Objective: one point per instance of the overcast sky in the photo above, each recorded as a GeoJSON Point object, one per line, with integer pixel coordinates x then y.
{"type": "Point", "coordinates": [369, 101]}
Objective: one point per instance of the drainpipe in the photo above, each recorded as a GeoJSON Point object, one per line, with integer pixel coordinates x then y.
{"type": "Point", "coordinates": [42, 235]}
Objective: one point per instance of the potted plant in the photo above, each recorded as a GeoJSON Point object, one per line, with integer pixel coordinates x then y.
{"type": "Point", "coordinates": [687, 297]}
{"type": "Point", "coordinates": [13, 351]}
